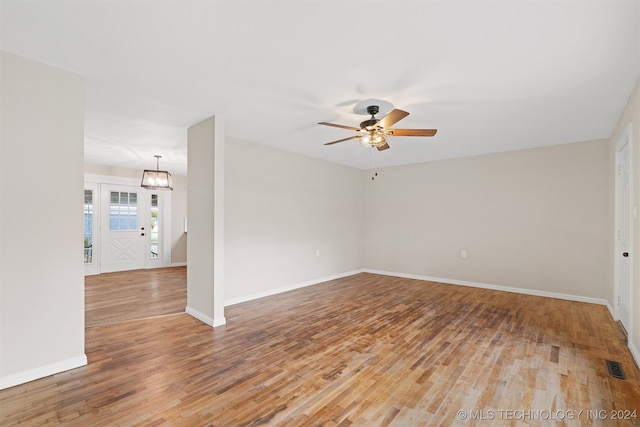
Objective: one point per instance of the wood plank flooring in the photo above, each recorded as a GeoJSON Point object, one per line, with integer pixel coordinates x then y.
{"type": "Point", "coordinates": [365, 350]}
{"type": "Point", "coordinates": [137, 294]}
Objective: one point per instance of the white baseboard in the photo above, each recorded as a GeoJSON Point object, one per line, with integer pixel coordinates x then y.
{"type": "Point", "coordinates": [200, 316]}
{"type": "Point", "coordinates": [42, 371]}
{"type": "Point", "coordinates": [238, 300]}
{"type": "Point", "coordinates": [608, 305]}
{"type": "Point", "coordinates": [634, 352]}
{"type": "Point", "coordinates": [579, 298]}
{"type": "Point", "coordinates": [214, 323]}
{"type": "Point", "coordinates": [178, 264]}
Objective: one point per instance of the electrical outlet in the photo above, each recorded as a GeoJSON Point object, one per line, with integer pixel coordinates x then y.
{"type": "Point", "coordinates": [463, 254]}
{"type": "Point", "coordinates": [317, 252]}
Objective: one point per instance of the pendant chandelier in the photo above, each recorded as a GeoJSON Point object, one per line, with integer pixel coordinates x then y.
{"type": "Point", "coordinates": [156, 179]}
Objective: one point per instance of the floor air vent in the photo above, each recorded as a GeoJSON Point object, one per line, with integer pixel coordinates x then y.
{"type": "Point", "coordinates": [615, 370]}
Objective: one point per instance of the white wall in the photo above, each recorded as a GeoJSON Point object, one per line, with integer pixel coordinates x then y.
{"type": "Point", "coordinates": [535, 219]}
{"type": "Point", "coordinates": [41, 274]}
{"type": "Point", "coordinates": [280, 208]}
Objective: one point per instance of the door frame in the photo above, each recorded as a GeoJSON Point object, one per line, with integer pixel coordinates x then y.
{"type": "Point", "coordinates": [95, 182]}
{"type": "Point", "coordinates": [625, 140]}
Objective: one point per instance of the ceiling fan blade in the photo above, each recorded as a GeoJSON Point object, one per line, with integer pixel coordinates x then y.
{"type": "Point", "coordinates": [383, 147]}
{"type": "Point", "coordinates": [343, 139]}
{"type": "Point", "coordinates": [391, 118]}
{"type": "Point", "coordinates": [339, 126]}
{"type": "Point", "coordinates": [410, 132]}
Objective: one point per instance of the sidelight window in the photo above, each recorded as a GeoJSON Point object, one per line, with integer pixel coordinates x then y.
{"type": "Point", "coordinates": [154, 235]}
{"type": "Point", "coordinates": [88, 226]}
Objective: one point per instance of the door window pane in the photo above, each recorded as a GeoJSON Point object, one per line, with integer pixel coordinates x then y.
{"type": "Point", "coordinates": [123, 211]}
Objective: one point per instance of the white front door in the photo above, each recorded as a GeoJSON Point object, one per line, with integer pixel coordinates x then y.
{"type": "Point", "coordinates": [624, 213]}
{"type": "Point", "coordinates": [124, 225]}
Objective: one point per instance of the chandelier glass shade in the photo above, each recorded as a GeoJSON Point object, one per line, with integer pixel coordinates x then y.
{"type": "Point", "coordinates": [156, 179]}
{"type": "Point", "coordinates": [373, 138]}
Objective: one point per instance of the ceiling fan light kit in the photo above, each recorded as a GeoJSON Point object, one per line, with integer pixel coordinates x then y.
{"type": "Point", "coordinates": [373, 132]}
{"type": "Point", "coordinates": [373, 138]}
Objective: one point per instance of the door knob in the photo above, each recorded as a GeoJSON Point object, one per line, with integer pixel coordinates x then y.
{"type": "Point", "coordinates": [625, 254]}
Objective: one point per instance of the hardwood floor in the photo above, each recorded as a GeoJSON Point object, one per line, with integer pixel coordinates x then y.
{"type": "Point", "coordinates": [364, 350]}
{"type": "Point", "coordinates": [137, 294]}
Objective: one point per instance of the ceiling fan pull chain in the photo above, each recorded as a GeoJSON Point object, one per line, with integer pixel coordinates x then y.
{"type": "Point", "coordinates": [373, 153]}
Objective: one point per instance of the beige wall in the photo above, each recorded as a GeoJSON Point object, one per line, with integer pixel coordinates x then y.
{"type": "Point", "coordinates": [178, 205]}
{"type": "Point", "coordinates": [631, 114]}
{"type": "Point", "coordinates": [280, 209]}
{"type": "Point", "coordinates": [534, 219]}
{"type": "Point", "coordinates": [41, 263]}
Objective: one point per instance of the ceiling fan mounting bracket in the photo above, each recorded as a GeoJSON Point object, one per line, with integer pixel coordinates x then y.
{"type": "Point", "coordinates": [373, 109]}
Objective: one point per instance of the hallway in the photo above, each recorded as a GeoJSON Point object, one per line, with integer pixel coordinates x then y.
{"type": "Point", "coordinates": [136, 294]}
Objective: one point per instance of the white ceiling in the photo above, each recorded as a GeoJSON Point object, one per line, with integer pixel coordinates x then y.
{"type": "Point", "coordinates": [489, 75]}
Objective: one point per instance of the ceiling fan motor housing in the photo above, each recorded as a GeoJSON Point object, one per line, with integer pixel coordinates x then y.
{"type": "Point", "coordinates": [368, 123]}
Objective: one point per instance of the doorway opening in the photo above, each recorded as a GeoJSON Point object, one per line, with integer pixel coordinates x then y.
{"type": "Point", "coordinates": [126, 227]}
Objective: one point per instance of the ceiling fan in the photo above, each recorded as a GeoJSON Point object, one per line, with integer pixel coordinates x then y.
{"type": "Point", "coordinates": [374, 132]}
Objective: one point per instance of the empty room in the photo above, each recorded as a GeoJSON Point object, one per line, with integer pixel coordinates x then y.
{"type": "Point", "coordinates": [319, 213]}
